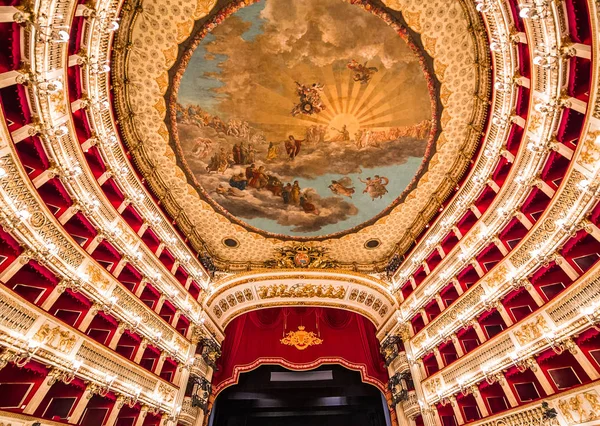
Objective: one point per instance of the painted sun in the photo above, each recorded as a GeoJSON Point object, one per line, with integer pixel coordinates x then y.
{"type": "Point", "coordinates": [295, 120]}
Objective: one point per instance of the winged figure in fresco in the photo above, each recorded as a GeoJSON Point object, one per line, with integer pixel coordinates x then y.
{"type": "Point", "coordinates": [361, 72]}
{"type": "Point", "coordinates": [376, 186]}
{"type": "Point", "coordinates": [342, 187]}
{"type": "Point", "coordinates": [310, 99]}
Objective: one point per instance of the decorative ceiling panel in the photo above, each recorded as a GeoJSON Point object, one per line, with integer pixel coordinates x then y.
{"type": "Point", "coordinates": [161, 41]}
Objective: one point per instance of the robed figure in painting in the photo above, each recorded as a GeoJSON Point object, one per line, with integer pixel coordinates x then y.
{"type": "Point", "coordinates": [292, 146]}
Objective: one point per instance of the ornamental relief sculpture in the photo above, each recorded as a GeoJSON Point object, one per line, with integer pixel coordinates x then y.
{"type": "Point", "coordinates": [532, 330]}
{"type": "Point", "coordinates": [56, 338]}
{"type": "Point", "coordinates": [301, 290]}
{"type": "Point", "coordinates": [581, 408]}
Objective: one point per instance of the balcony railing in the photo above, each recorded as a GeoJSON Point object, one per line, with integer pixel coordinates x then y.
{"type": "Point", "coordinates": [411, 405]}
{"type": "Point", "coordinates": [188, 413]}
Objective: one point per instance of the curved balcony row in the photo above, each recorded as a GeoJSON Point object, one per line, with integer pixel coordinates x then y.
{"type": "Point", "coordinates": [482, 251]}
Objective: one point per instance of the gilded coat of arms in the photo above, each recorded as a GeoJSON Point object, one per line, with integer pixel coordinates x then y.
{"type": "Point", "coordinates": [301, 339]}
{"type": "Point", "coordinates": [301, 256]}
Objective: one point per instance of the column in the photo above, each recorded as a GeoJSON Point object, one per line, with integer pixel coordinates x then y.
{"type": "Point", "coordinates": [160, 363]}
{"type": "Point", "coordinates": [88, 144]}
{"type": "Point", "coordinates": [413, 283]}
{"type": "Point", "coordinates": [440, 302]}
{"type": "Point", "coordinates": [480, 403]}
{"type": "Point", "coordinates": [140, 351]}
{"type": "Point", "coordinates": [475, 264]}
{"type": "Point", "coordinates": [43, 177]}
{"type": "Point", "coordinates": [431, 417]}
{"type": "Point", "coordinates": [457, 345]}
{"type": "Point", "coordinates": [119, 268]}
{"type": "Point", "coordinates": [426, 268]}
{"type": "Point", "coordinates": [457, 286]}
{"type": "Point", "coordinates": [40, 393]}
{"type": "Point", "coordinates": [81, 404]}
{"type": "Point", "coordinates": [123, 206]}
{"type": "Point", "coordinates": [160, 249]}
{"type": "Point", "coordinates": [188, 282]}
{"type": "Point", "coordinates": [524, 220]}
{"type": "Point", "coordinates": [492, 184]}
{"type": "Point", "coordinates": [159, 303]}
{"type": "Point", "coordinates": [510, 395]}
{"type": "Point", "coordinates": [53, 296]}
{"type": "Point", "coordinates": [592, 229]}
{"type": "Point", "coordinates": [114, 341]}
{"type": "Point", "coordinates": [457, 413]}
{"type": "Point", "coordinates": [475, 211]}
{"type": "Point", "coordinates": [68, 214]}
{"type": "Point", "coordinates": [176, 318]}
{"type": "Point", "coordinates": [15, 266]}
{"type": "Point", "coordinates": [175, 266]}
{"type": "Point", "coordinates": [142, 416]}
{"type": "Point", "coordinates": [94, 244]}
{"type": "Point", "coordinates": [500, 246]}
{"type": "Point", "coordinates": [457, 232]}
{"type": "Point", "coordinates": [566, 267]}
{"type": "Point", "coordinates": [582, 359]}
{"type": "Point", "coordinates": [103, 178]}
{"type": "Point", "coordinates": [88, 318]}
{"type": "Point", "coordinates": [438, 358]}
{"type": "Point", "coordinates": [424, 316]}
{"type": "Point", "coordinates": [140, 288]}
{"type": "Point", "coordinates": [534, 294]}
{"type": "Point", "coordinates": [114, 412]}
{"type": "Point", "coordinates": [479, 331]}
{"type": "Point", "coordinates": [9, 78]}
{"type": "Point", "coordinates": [417, 380]}
{"type": "Point", "coordinates": [421, 366]}
{"type": "Point", "coordinates": [440, 251]}
{"type": "Point", "coordinates": [507, 319]}
{"type": "Point", "coordinates": [142, 229]}
{"type": "Point", "coordinates": [179, 374]}
{"type": "Point", "coordinates": [545, 188]}
{"type": "Point", "coordinates": [539, 374]}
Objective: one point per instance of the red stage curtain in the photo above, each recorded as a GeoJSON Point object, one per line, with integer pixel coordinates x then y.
{"type": "Point", "coordinates": [253, 339]}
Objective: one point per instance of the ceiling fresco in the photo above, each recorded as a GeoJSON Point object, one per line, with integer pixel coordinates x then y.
{"type": "Point", "coordinates": [289, 123]}
{"type": "Point", "coordinates": [390, 73]}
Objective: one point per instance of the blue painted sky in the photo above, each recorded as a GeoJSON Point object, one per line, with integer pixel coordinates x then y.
{"type": "Point", "coordinates": [201, 76]}
{"type": "Point", "coordinates": [399, 175]}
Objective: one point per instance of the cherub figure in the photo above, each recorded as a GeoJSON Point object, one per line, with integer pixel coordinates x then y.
{"type": "Point", "coordinates": [361, 72]}
{"type": "Point", "coordinates": [310, 99]}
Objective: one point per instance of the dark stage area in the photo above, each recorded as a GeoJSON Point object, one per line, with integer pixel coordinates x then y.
{"type": "Point", "coordinates": [330, 395]}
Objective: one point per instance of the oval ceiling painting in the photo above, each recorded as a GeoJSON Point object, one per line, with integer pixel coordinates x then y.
{"type": "Point", "coordinates": [303, 118]}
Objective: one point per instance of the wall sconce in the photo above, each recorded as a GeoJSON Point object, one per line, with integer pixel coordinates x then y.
{"type": "Point", "coordinates": [536, 10]}
{"type": "Point", "coordinates": [483, 6]}
{"type": "Point", "coordinates": [108, 382]}
{"type": "Point", "coordinates": [68, 375]}
{"type": "Point", "coordinates": [589, 187]}
{"type": "Point", "coordinates": [488, 302]}
{"type": "Point", "coordinates": [131, 400]}
{"type": "Point", "coordinates": [50, 86]}
{"type": "Point", "coordinates": [26, 354]}
{"type": "Point", "coordinates": [592, 315]}
{"type": "Point", "coordinates": [521, 365]}
{"type": "Point", "coordinates": [465, 390]}
{"type": "Point", "coordinates": [443, 400]}
{"type": "Point", "coordinates": [108, 306]}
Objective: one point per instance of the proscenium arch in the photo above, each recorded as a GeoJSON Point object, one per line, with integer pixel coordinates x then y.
{"type": "Point", "coordinates": [320, 362]}
{"type": "Point", "coordinates": [358, 293]}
